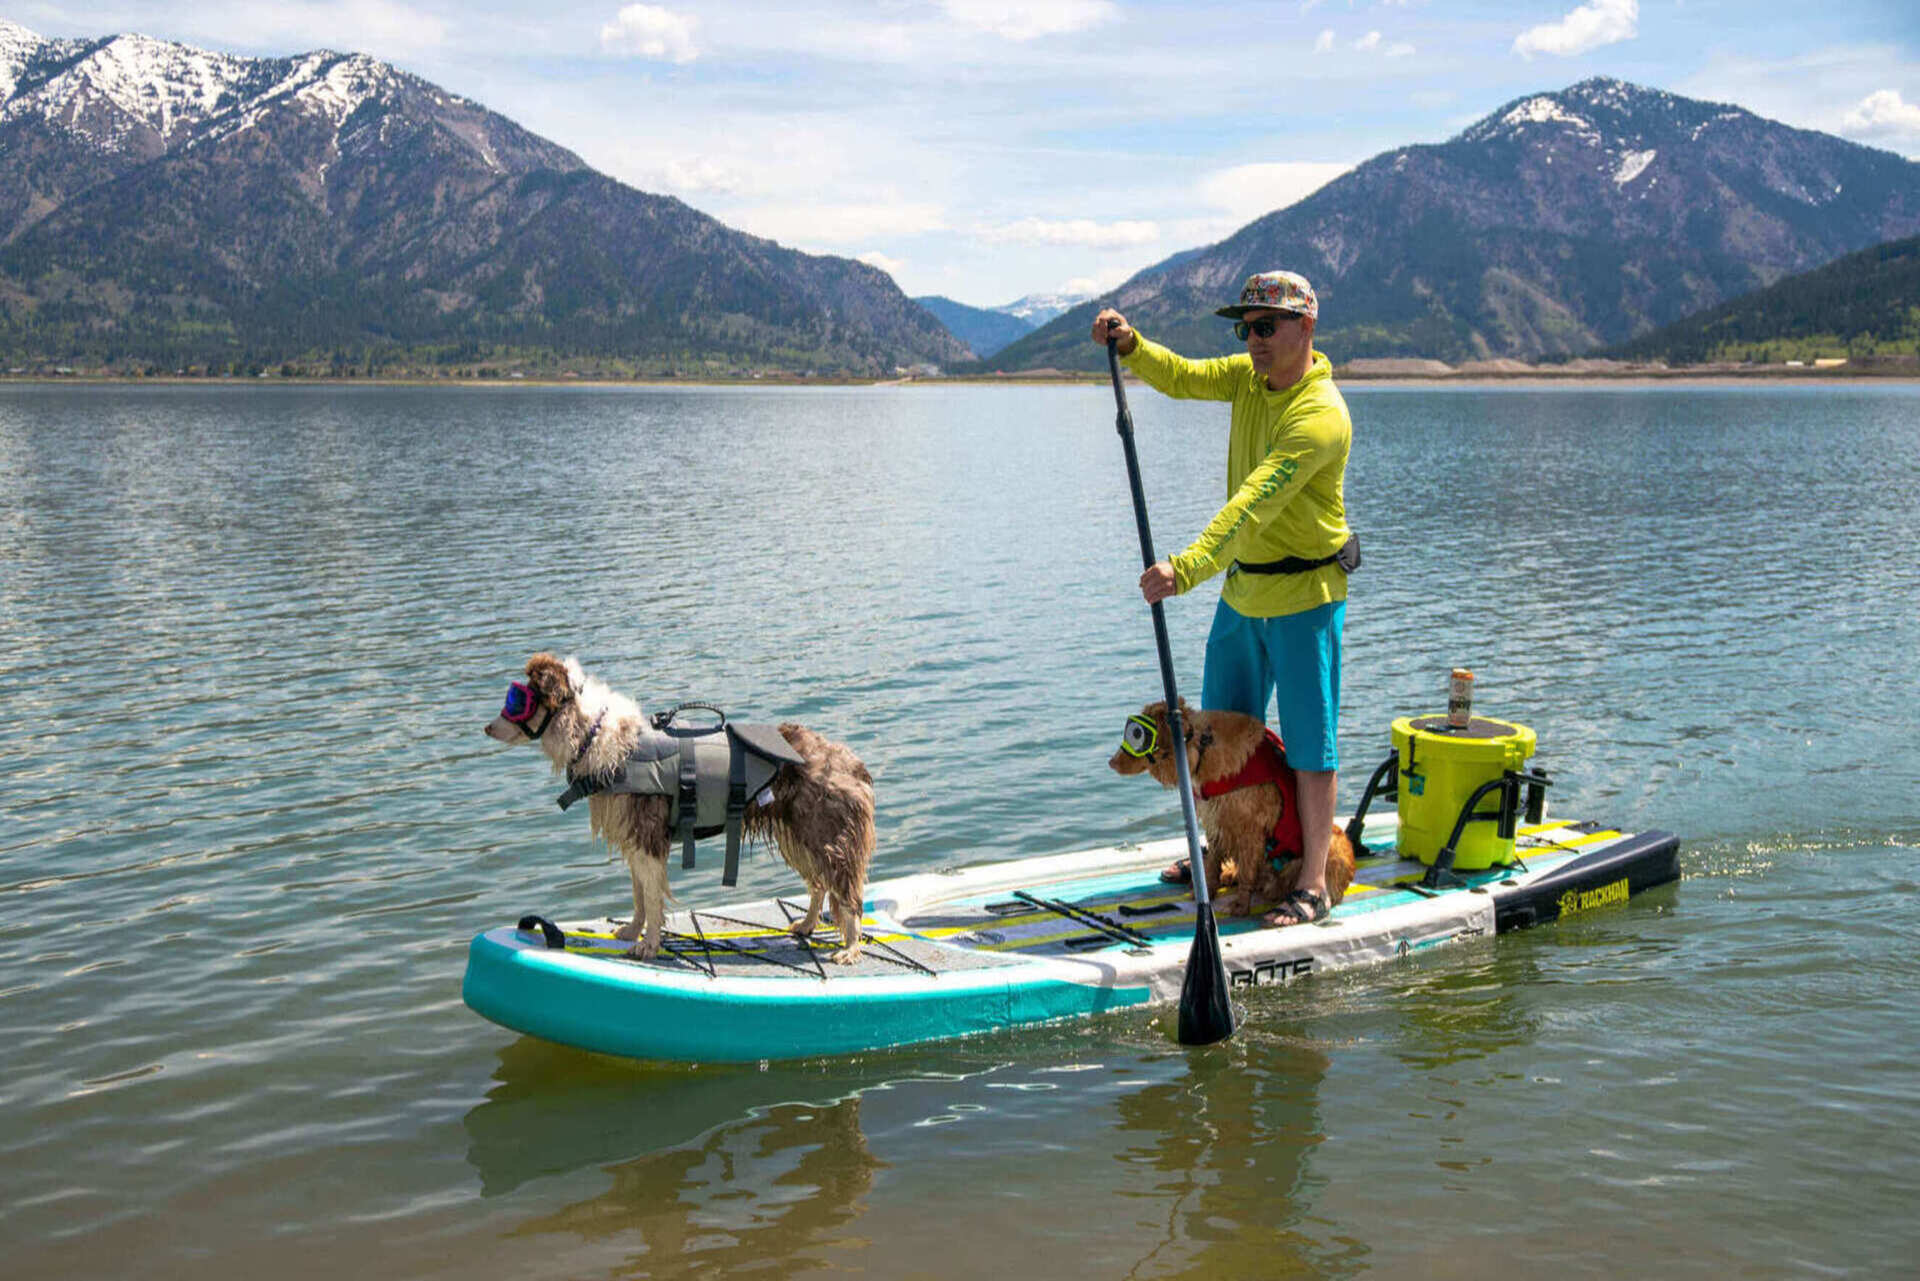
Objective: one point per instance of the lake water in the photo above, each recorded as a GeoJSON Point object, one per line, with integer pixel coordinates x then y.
{"type": "Point", "coordinates": [249, 637]}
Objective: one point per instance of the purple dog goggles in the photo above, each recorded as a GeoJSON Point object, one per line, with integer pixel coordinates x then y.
{"type": "Point", "coordinates": [520, 707]}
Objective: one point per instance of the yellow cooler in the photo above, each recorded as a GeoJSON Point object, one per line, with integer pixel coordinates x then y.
{"type": "Point", "coordinates": [1440, 768]}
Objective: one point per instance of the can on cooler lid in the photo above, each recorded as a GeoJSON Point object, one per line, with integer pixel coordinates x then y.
{"type": "Point", "coordinates": [1460, 699]}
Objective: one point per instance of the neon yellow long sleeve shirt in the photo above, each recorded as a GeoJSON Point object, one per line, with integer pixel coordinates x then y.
{"type": "Point", "coordinates": [1286, 464]}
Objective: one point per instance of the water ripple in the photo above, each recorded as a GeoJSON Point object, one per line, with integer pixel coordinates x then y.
{"type": "Point", "coordinates": [249, 640]}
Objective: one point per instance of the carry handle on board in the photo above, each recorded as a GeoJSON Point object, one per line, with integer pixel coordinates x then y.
{"type": "Point", "coordinates": [556, 941]}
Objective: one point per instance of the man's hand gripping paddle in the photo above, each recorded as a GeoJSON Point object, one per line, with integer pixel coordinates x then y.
{"type": "Point", "coordinates": [1206, 1014]}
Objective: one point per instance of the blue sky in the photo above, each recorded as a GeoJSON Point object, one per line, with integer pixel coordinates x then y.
{"type": "Point", "coordinates": [986, 149]}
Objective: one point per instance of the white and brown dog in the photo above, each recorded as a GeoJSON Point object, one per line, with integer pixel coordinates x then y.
{"type": "Point", "coordinates": [1244, 794]}
{"type": "Point", "coordinates": [818, 814]}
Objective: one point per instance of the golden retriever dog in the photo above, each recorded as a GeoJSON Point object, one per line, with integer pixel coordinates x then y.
{"type": "Point", "coordinates": [1252, 842]}
{"type": "Point", "coordinates": [818, 814]}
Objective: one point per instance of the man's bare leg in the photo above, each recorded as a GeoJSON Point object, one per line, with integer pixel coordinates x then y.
{"type": "Point", "coordinates": [1316, 791]}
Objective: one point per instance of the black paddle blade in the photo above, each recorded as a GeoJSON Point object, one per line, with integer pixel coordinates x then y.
{"type": "Point", "coordinates": [1206, 1015]}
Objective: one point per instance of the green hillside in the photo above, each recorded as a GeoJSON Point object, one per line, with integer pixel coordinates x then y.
{"type": "Point", "coordinates": [1865, 304]}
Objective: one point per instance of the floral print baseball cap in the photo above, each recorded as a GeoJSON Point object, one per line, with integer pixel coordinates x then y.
{"type": "Point", "coordinates": [1285, 290]}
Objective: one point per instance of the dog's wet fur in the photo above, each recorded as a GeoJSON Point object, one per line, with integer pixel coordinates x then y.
{"type": "Point", "coordinates": [819, 814]}
{"type": "Point", "coordinates": [1237, 824]}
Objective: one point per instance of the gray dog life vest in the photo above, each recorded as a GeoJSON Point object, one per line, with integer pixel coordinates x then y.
{"type": "Point", "coordinates": [706, 772]}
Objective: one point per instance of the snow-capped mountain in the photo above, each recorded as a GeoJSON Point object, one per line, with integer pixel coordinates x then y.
{"type": "Point", "coordinates": [1559, 223]}
{"type": "Point", "coordinates": [1620, 130]}
{"type": "Point", "coordinates": [126, 93]}
{"type": "Point", "coordinates": [75, 113]}
{"type": "Point", "coordinates": [986, 330]}
{"type": "Point", "coordinates": [1038, 309]}
{"type": "Point", "coordinates": [170, 198]}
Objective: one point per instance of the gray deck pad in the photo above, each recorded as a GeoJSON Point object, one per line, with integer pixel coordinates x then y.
{"type": "Point", "coordinates": [1081, 916]}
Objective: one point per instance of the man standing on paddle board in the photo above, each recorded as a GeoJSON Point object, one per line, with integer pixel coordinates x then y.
{"type": "Point", "coordinates": [1282, 539]}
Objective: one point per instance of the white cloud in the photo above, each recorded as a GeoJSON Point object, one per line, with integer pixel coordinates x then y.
{"type": "Point", "coordinates": [1816, 88]}
{"type": "Point", "coordinates": [649, 31]}
{"type": "Point", "coordinates": [1602, 22]}
{"type": "Point", "coordinates": [1372, 42]}
{"type": "Point", "coordinates": [1077, 232]}
{"type": "Point", "coordinates": [838, 224]}
{"type": "Point", "coordinates": [1083, 286]}
{"type": "Point", "coordinates": [391, 25]}
{"type": "Point", "coordinates": [703, 153]}
{"type": "Point", "coordinates": [874, 258]}
{"type": "Point", "coordinates": [385, 29]}
{"type": "Point", "coordinates": [700, 175]}
{"type": "Point", "coordinates": [1029, 19]}
{"type": "Point", "coordinates": [1882, 114]}
{"type": "Point", "coordinates": [1325, 43]}
{"type": "Point", "coordinates": [1249, 191]}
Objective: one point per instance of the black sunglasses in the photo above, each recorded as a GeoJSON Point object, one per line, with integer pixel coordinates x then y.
{"type": "Point", "coordinates": [1265, 328]}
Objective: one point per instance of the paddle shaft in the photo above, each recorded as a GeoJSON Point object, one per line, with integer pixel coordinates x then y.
{"type": "Point", "coordinates": [1124, 424]}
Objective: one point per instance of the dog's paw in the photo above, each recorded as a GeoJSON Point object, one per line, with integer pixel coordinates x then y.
{"type": "Point", "coordinates": [846, 955]}
{"type": "Point", "coordinates": [644, 950]}
{"type": "Point", "coordinates": [801, 929]}
{"type": "Point", "coordinates": [629, 932]}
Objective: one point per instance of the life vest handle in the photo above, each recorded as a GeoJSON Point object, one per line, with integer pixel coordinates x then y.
{"type": "Point", "coordinates": [664, 720]}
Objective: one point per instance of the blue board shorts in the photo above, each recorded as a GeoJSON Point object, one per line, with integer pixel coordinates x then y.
{"type": "Point", "coordinates": [1294, 658]}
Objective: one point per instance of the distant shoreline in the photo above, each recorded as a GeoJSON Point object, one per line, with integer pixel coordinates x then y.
{"type": "Point", "coordinates": [1039, 378]}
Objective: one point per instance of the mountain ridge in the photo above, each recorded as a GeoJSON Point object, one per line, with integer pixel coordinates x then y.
{"type": "Point", "coordinates": [1863, 304]}
{"type": "Point", "coordinates": [161, 204]}
{"type": "Point", "coordinates": [985, 330]}
{"type": "Point", "coordinates": [1558, 224]}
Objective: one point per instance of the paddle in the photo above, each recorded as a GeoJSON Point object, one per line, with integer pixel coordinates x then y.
{"type": "Point", "coordinates": [1206, 1015]}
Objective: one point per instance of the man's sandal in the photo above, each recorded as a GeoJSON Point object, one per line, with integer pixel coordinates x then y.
{"type": "Point", "coordinates": [1302, 907]}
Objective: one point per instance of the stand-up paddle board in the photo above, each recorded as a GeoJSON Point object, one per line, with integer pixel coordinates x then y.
{"type": "Point", "coordinates": [1007, 945]}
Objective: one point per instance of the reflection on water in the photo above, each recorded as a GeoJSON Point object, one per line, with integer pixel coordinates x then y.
{"type": "Point", "coordinates": [1196, 1165]}
{"type": "Point", "coordinates": [774, 1186]}
{"type": "Point", "coordinates": [1465, 1011]}
{"type": "Point", "coordinates": [1230, 1144]}
{"type": "Point", "coordinates": [553, 1110]}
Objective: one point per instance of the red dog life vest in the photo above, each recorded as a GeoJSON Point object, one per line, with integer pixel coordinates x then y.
{"type": "Point", "coordinates": [1269, 765]}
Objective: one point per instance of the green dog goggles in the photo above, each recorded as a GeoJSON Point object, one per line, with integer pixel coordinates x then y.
{"type": "Point", "coordinates": [1140, 737]}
